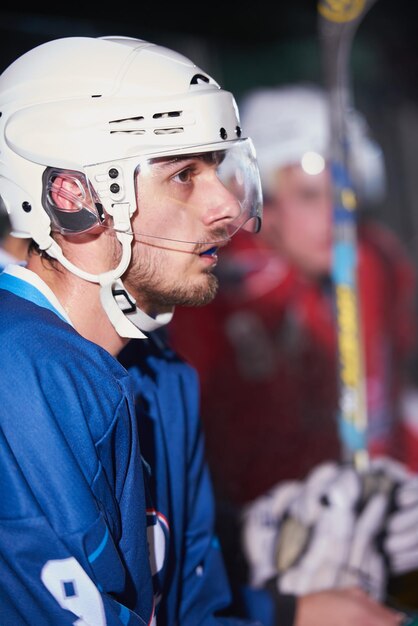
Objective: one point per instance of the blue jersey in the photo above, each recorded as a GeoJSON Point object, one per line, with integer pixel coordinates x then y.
{"type": "Point", "coordinates": [92, 532]}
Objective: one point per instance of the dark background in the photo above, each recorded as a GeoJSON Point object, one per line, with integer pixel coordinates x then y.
{"type": "Point", "coordinates": [251, 45]}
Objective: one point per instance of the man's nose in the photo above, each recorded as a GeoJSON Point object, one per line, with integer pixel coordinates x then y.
{"type": "Point", "coordinates": [222, 206]}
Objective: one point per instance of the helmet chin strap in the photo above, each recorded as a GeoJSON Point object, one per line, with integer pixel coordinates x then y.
{"type": "Point", "coordinates": [119, 305]}
{"type": "Point", "coordinates": [121, 309]}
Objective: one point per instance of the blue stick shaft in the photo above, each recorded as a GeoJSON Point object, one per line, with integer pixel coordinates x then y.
{"type": "Point", "coordinates": [337, 24]}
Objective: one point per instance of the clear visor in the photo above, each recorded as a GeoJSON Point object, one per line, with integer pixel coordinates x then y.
{"type": "Point", "coordinates": [197, 197]}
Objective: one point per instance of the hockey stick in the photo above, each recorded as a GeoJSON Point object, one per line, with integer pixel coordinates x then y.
{"type": "Point", "coordinates": [338, 21]}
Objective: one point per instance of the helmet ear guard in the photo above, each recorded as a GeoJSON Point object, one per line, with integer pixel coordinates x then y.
{"type": "Point", "coordinates": [68, 199]}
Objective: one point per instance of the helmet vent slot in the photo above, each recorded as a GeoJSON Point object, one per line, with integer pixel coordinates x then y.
{"type": "Point", "coordinates": [168, 131]}
{"type": "Point", "coordinates": [128, 132]}
{"type": "Point", "coordinates": [132, 125]}
{"type": "Point", "coordinates": [127, 119]}
{"type": "Point", "coordinates": [198, 79]}
{"type": "Point", "coordinates": [137, 126]}
{"type": "Point", "coordinates": [158, 116]}
{"type": "Point", "coordinates": [164, 116]}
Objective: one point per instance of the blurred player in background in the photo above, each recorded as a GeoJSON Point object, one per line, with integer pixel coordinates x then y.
{"type": "Point", "coordinates": [266, 351]}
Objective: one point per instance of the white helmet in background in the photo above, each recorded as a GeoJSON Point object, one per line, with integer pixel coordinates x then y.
{"type": "Point", "coordinates": [100, 110]}
{"type": "Point", "coordinates": [291, 124]}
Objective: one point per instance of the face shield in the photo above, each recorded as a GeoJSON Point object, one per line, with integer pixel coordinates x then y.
{"type": "Point", "coordinates": [183, 200]}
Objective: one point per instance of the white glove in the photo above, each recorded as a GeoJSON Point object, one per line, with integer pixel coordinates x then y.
{"type": "Point", "coordinates": [261, 525]}
{"type": "Point", "coordinates": [328, 507]}
{"type": "Point", "coordinates": [366, 564]}
{"type": "Point", "coordinates": [277, 527]}
{"type": "Point", "coordinates": [323, 535]}
{"type": "Point", "coordinates": [400, 539]}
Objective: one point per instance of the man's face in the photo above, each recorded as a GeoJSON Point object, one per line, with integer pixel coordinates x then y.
{"type": "Point", "coordinates": [181, 221]}
{"type": "Point", "coordinates": [298, 219]}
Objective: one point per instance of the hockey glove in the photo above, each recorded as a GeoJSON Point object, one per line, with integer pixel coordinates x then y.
{"type": "Point", "coordinates": [323, 536]}
{"type": "Point", "coordinates": [400, 538]}
{"type": "Point", "coordinates": [261, 526]}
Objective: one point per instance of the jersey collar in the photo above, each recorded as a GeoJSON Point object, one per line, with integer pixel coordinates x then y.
{"type": "Point", "coordinates": [26, 284]}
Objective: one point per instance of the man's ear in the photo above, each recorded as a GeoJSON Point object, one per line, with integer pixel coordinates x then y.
{"type": "Point", "coordinates": [66, 193]}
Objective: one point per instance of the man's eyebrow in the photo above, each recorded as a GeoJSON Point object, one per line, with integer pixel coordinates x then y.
{"type": "Point", "coordinates": [211, 157]}
{"type": "Point", "coordinates": [178, 160]}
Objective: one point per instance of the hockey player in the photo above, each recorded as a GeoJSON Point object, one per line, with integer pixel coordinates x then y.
{"type": "Point", "coordinates": [266, 351]}
{"type": "Point", "coordinates": [124, 164]}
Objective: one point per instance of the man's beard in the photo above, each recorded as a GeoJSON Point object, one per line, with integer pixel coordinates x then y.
{"type": "Point", "coordinates": [164, 297]}
{"type": "Point", "coordinates": [145, 281]}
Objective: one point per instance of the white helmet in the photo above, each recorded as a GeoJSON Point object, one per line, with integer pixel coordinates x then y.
{"type": "Point", "coordinates": [97, 108]}
{"type": "Point", "coordinates": [289, 123]}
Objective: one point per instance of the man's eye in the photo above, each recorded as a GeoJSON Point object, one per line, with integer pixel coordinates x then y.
{"type": "Point", "coordinates": [184, 176]}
